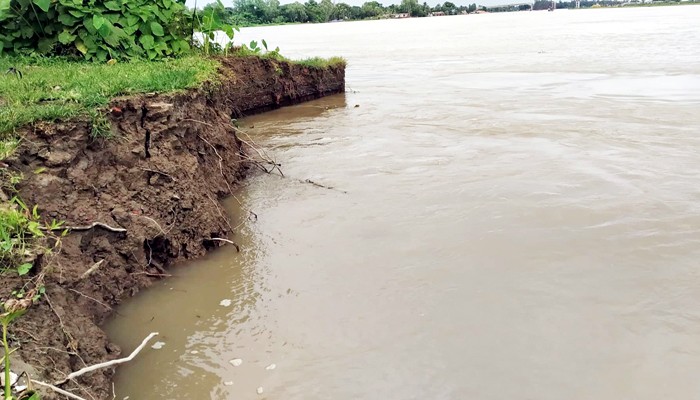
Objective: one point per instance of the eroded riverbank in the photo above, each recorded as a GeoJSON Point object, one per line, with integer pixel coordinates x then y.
{"type": "Point", "coordinates": [521, 221]}
{"type": "Point", "coordinates": [154, 189]}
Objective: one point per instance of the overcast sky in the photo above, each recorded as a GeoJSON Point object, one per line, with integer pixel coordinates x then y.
{"type": "Point", "coordinates": [201, 3]}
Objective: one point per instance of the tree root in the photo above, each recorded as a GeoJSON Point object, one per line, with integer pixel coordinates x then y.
{"type": "Point", "coordinates": [88, 227]}
{"type": "Point", "coordinates": [106, 364]}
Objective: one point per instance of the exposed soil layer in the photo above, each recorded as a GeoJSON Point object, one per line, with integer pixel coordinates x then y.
{"type": "Point", "coordinates": [160, 178]}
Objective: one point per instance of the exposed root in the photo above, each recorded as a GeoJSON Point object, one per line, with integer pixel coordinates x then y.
{"type": "Point", "coordinates": [229, 242]}
{"type": "Point", "coordinates": [88, 227]}
{"type": "Point", "coordinates": [218, 209]}
{"type": "Point", "coordinates": [106, 364]}
{"type": "Point", "coordinates": [155, 171]}
{"type": "Point", "coordinates": [266, 158]}
{"type": "Point", "coordinates": [72, 343]}
{"type": "Point", "coordinates": [156, 223]}
{"type": "Point", "coordinates": [221, 162]}
{"type": "Point", "coordinates": [151, 274]}
{"type": "Point", "coordinates": [92, 269]}
{"type": "Point", "coordinates": [92, 298]}
{"type": "Point", "coordinates": [58, 390]}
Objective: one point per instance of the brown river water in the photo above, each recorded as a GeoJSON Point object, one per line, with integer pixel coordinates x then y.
{"type": "Point", "coordinates": [516, 215]}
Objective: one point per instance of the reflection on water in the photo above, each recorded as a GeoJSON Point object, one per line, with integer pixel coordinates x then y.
{"type": "Point", "coordinates": [522, 220]}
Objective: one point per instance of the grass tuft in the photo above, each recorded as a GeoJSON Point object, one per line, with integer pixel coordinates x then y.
{"type": "Point", "coordinates": [315, 62]}
{"type": "Point", "coordinates": [50, 89]}
{"type": "Point", "coordinates": [320, 63]}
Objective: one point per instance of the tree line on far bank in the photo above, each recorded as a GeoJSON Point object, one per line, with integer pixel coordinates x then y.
{"type": "Point", "coordinates": [259, 12]}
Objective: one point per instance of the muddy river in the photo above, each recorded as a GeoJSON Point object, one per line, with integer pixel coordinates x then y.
{"type": "Point", "coordinates": [515, 214]}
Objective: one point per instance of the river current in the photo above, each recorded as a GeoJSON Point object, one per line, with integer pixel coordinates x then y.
{"type": "Point", "coordinates": [514, 214]}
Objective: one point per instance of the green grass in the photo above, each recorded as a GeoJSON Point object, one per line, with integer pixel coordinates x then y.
{"type": "Point", "coordinates": [51, 89]}
{"type": "Point", "coordinates": [315, 62]}
{"type": "Point", "coordinates": [319, 63]}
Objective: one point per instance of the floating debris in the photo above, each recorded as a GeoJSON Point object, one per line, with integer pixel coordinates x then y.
{"type": "Point", "coordinates": [271, 367]}
{"type": "Point", "coordinates": [225, 302]}
{"type": "Point", "coordinates": [228, 383]}
{"type": "Point", "coordinates": [158, 345]}
{"type": "Point", "coordinates": [194, 352]}
{"type": "Point", "coordinates": [236, 362]}
{"type": "Point", "coordinates": [260, 390]}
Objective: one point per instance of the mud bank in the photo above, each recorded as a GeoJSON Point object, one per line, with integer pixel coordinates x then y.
{"type": "Point", "coordinates": [160, 179]}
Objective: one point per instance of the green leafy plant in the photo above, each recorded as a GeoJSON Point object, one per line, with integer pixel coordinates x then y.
{"type": "Point", "coordinates": [18, 225]}
{"type": "Point", "coordinates": [253, 48]}
{"type": "Point", "coordinates": [95, 29]}
{"type": "Point", "coordinates": [11, 310]}
{"type": "Point", "coordinates": [209, 23]}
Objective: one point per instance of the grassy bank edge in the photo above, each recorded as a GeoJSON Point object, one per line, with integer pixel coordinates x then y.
{"type": "Point", "coordinates": [50, 89]}
{"type": "Point", "coordinates": [57, 89]}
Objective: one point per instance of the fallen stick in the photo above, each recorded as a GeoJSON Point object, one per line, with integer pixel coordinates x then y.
{"type": "Point", "coordinates": [58, 390]}
{"type": "Point", "coordinates": [106, 364]}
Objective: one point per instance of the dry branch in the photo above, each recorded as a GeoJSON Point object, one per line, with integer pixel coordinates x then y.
{"type": "Point", "coordinates": [106, 364]}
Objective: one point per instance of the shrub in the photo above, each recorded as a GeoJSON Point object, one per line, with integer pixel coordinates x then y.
{"type": "Point", "coordinates": [98, 30]}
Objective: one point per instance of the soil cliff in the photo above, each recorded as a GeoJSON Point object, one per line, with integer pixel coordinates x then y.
{"type": "Point", "coordinates": [137, 202]}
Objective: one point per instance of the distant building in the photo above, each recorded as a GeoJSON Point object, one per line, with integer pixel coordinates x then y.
{"type": "Point", "coordinates": [438, 14]}
{"type": "Point", "coordinates": [401, 15]}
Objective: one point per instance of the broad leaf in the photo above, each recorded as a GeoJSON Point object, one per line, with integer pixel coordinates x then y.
{"type": "Point", "coordinates": [24, 269]}
{"type": "Point", "coordinates": [157, 29]}
{"type": "Point", "coordinates": [113, 5]}
{"type": "Point", "coordinates": [81, 46]}
{"type": "Point", "coordinates": [45, 45]}
{"type": "Point", "coordinates": [184, 46]}
{"type": "Point", "coordinates": [105, 29]}
{"type": "Point", "coordinates": [130, 30]}
{"type": "Point", "coordinates": [66, 37]}
{"type": "Point", "coordinates": [43, 4]}
{"type": "Point", "coordinates": [98, 21]}
{"type": "Point", "coordinates": [147, 42]}
{"type": "Point", "coordinates": [76, 13]}
{"type": "Point", "coordinates": [26, 31]}
{"type": "Point", "coordinates": [4, 9]}
{"type": "Point", "coordinates": [228, 29]}
{"type": "Point", "coordinates": [67, 19]}
{"type": "Point", "coordinates": [132, 20]}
